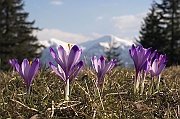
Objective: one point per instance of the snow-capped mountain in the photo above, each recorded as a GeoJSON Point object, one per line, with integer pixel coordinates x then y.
{"type": "Point", "coordinates": [97, 47]}
{"type": "Point", "coordinates": [91, 48]}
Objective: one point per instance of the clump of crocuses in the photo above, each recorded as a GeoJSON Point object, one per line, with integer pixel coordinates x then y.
{"type": "Point", "coordinates": [28, 71]}
{"type": "Point", "coordinates": [68, 65]}
{"type": "Point", "coordinates": [102, 66]}
{"type": "Point", "coordinates": [139, 55]}
{"type": "Point", "coordinates": [142, 58]}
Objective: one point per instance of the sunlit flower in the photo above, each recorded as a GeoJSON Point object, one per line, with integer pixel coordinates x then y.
{"type": "Point", "coordinates": [28, 71]}
{"type": "Point", "coordinates": [158, 65]}
{"type": "Point", "coordinates": [12, 62]}
{"type": "Point", "coordinates": [102, 66]}
{"type": "Point", "coordinates": [68, 65]}
{"type": "Point", "coordinates": [139, 56]}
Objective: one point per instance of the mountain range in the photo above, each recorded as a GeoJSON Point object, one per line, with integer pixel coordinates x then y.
{"type": "Point", "coordinates": [91, 48]}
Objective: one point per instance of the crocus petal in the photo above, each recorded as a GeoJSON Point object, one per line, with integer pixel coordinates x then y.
{"type": "Point", "coordinates": [53, 54]}
{"type": "Point", "coordinates": [25, 69]}
{"type": "Point", "coordinates": [33, 70]}
{"type": "Point", "coordinates": [94, 63]}
{"type": "Point", "coordinates": [161, 68]}
{"type": "Point", "coordinates": [78, 55]}
{"type": "Point", "coordinates": [57, 59]}
{"type": "Point", "coordinates": [147, 54]}
{"type": "Point", "coordinates": [62, 54]}
{"type": "Point", "coordinates": [107, 67]}
{"type": "Point", "coordinates": [60, 73]}
{"type": "Point", "coordinates": [162, 59]}
{"type": "Point", "coordinates": [101, 62]}
{"type": "Point", "coordinates": [19, 70]}
{"type": "Point", "coordinates": [132, 50]}
{"type": "Point", "coordinates": [74, 56]}
{"type": "Point", "coordinates": [154, 67]}
{"type": "Point", "coordinates": [78, 66]}
{"type": "Point", "coordinates": [147, 64]}
{"type": "Point", "coordinates": [135, 59]}
{"type": "Point", "coordinates": [153, 54]}
{"type": "Point", "coordinates": [140, 54]}
{"type": "Point", "coordinates": [113, 63]}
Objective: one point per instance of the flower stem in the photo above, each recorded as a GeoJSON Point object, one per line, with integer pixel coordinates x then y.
{"type": "Point", "coordinates": [67, 90]}
{"type": "Point", "coordinates": [28, 91]}
{"type": "Point", "coordinates": [151, 86]}
{"type": "Point", "coordinates": [136, 83]}
{"type": "Point", "coordinates": [158, 82]}
{"type": "Point", "coordinates": [142, 82]}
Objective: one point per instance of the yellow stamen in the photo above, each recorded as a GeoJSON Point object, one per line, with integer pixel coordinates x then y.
{"type": "Point", "coordinates": [105, 58]}
{"type": "Point", "coordinates": [69, 46]}
{"type": "Point", "coordinates": [159, 62]}
{"type": "Point", "coordinates": [30, 63]}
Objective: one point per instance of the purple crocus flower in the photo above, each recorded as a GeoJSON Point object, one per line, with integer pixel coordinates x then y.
{"type": "Point", "coordinates": [68, 65]}
{"type": "Point", "coordinates": [28, 71]}
{"type": "Point", "coordinates": [158, 65]}
{"type": "Point", "coordinates": [12, 62]}
{"type": "Point", "coordinates": [139, 56]}
{"type": "Point", "coordinates": [102, 66]}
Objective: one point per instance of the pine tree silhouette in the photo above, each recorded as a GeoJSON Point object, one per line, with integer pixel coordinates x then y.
{"type": "Point", "coordinates": [16, 39]}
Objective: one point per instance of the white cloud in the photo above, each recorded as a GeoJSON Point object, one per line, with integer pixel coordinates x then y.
{"type": "Point", "coordinates": [56, 2]}
{"type": "Point", "coordinates": [96, 35]}
{"type": "Point", "coordinates": [47, 34]}
{"type": "Point", "coordinates": [99, 18]}
{"type": "Point", "coordinates": [128, 23]}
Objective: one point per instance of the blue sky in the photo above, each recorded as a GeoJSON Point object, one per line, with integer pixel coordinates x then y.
{"type": "Point", "coordinates": [76, 21]}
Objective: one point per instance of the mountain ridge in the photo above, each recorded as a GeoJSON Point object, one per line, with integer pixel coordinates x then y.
{"type": "Point", "coordinates": [91, 48]}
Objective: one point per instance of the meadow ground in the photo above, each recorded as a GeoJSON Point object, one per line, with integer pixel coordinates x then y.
{"type": "Point", "coordinates": [114, 98]}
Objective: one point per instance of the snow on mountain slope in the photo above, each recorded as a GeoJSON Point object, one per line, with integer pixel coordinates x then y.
{"type": "Point", "coordinates": [97, 47]}
{"type": "Point", "coordinates": [90, 49]}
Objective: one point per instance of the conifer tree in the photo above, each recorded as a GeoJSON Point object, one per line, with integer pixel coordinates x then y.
{"type": "Point", "coordinates": [170, 15]}
{"type": "Point", "coordinates": [161, 30]}
{"type": "Point", "coordinates": [151, 33]}
{"type": "Point", "coordinates": [112, 52]}
{"type": "Point", "coordinates": [16, 39]}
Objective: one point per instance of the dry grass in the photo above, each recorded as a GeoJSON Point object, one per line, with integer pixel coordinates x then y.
{"type": "Point", "coordinates": [114, 99]}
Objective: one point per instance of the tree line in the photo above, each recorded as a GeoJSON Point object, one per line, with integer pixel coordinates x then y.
{"type": "Point", "coordinates": [16, 39]}
{"type": "Point", "coordinates": [161, 30]}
